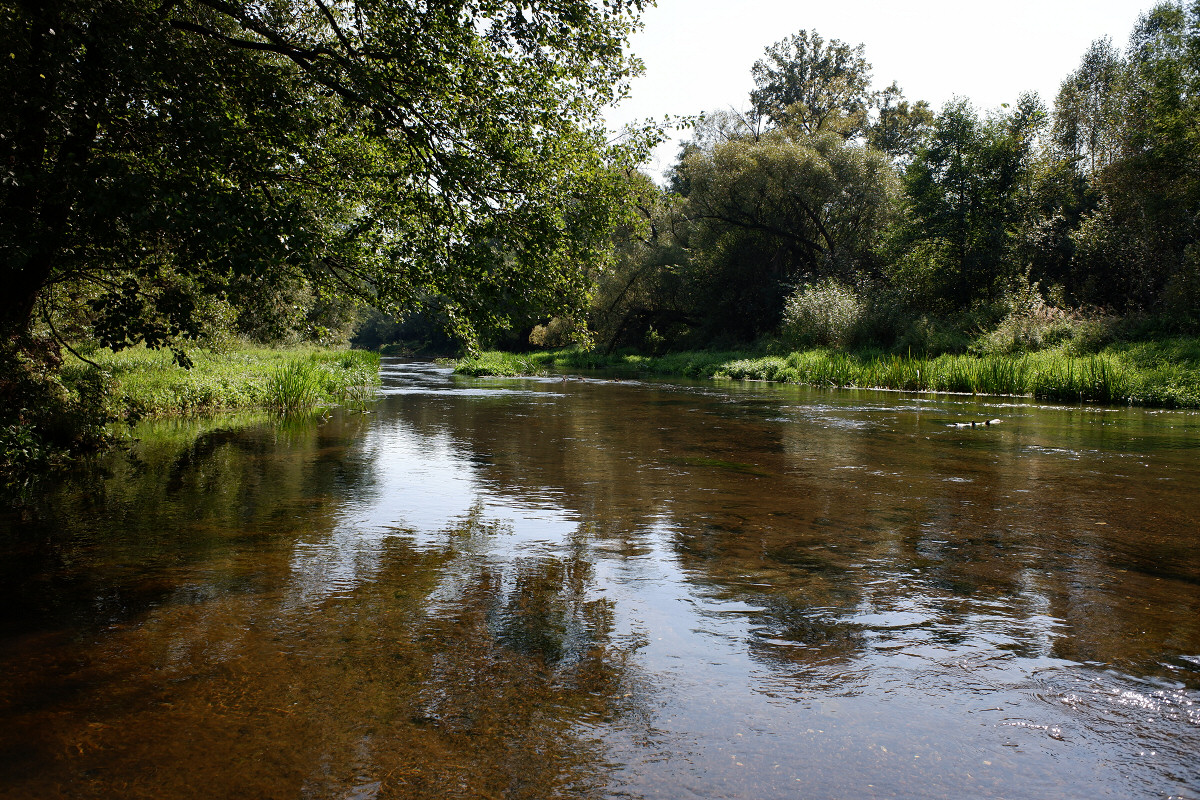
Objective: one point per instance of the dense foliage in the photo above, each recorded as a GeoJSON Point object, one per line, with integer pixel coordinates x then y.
{"type": "Point", "coordinates": [834, 213]}
{"type": "Point", "coordinates": [179, 170]}
{"type": "Point", "coordinates": [168, 167]}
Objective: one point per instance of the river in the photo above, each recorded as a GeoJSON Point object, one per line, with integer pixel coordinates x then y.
{"type": "Point", "coordinates": [591, 588]}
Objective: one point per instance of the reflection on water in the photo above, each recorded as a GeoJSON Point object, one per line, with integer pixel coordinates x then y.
{"type": "Point", "coordinates": [592, 588]}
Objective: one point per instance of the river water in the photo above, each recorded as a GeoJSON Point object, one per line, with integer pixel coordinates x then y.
{"type": "Point", "coordinates": [589, 588]}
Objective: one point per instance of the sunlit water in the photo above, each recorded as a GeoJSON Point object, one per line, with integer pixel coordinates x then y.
{"type": "Point", "coordinates": [615, 589]}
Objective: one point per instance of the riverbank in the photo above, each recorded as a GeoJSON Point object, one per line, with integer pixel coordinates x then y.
{"type": "Point", "coordinates": [53, 415]}
{"type": "Point", "coordinates": [141, 383]}
{"type": "Point", "coordinates": [1161, 373]}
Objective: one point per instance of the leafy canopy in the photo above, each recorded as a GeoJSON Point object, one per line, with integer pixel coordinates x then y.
{"type": "Point", "coordinates": [966, 190]}
{"type": "Point", "coordinates": [163, 164]}
{"type": "Point", "coordinates": [813, 85]}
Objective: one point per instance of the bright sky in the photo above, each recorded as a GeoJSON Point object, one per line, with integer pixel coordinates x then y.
{"type": "Point", "coordinates": [698, 53]}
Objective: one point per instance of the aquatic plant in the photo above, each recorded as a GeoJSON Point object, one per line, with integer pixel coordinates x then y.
{"type": "Point", "coordinates": [294, 387]}
{"type": "Point", "coordinates": [497, 363]}
{"type": "Point", "coordinates": [1095, 379]}
{"type": "Point", "coordinates": [1003, 375]}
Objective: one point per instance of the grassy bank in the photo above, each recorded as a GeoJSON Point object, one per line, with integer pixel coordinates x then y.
{"type": "Point", "coordinates": [143, 382]}
{"type": "Point", "coordinates": [1161, 373]}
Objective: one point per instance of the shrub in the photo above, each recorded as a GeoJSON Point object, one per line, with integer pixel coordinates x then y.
{"type": "Point", "coordinates": [558, 332]}
{"type": "Point", "coordinates": [933, 337]}
{"type": "Point", "coordinates": [1090, 336]}
{"type": "Point", "coordinates": [1181, 295]}
{"type": "Point", "coordinates": [46, 423]}
{"type": "Point", "coordinates": [824, 313]}
{"type": "Point", "coordinates": [922, 276]}
{"type": "Point", "coordinates": [1027, 330]}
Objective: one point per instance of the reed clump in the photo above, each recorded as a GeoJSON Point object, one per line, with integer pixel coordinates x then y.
{"type": "Point", "coordinates": [1050, 376]}
{"type": "Point", "coordinates": [294, 387]}
{"type": "Point", "coordinates": [500, 364]}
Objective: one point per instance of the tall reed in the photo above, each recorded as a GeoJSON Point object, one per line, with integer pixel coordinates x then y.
{"type": "Point", "coordinates": [1150, 373]}
{"type": "Point", "coordinates": [1097, 379]}
{"type": "Point", "coordinates": [294, 387]}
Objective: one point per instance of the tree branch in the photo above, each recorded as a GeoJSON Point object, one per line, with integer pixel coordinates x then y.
{"type": "Point", "coordinates": [61, 341]}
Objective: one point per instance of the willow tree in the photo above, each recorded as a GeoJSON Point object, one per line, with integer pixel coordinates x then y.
{"type": "Point", "coordinates": [770, 213]}
{"type": "Point", "coordinates": [161, 159]}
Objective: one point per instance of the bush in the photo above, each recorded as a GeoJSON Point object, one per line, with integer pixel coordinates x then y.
{"type": "Point", "coordinates": [932, 337]}
{"type": "Point", "coordinates": [558, 332]}
{"type": "Point", "coordinates": [46, 423]}
{"type": "Point", "coordinates": [1181, 296]}
{"type": "Point", "coordinates": [884, 320]}
{"type": "Point", "coordinates": [1027, 331]}
{"type": "Point", "coordinates": [1090, 336]}
{"type": "Point", "coordinates": [922, 276]}
{"type": "Point", "coordinates": [825, 313]}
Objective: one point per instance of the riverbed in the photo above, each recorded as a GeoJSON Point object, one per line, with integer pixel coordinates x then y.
{"type": "Point", "coordinates": [579, 587]}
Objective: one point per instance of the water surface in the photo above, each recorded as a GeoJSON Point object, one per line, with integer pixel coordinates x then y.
{"type": "Point", "coordinates": [616, 589]}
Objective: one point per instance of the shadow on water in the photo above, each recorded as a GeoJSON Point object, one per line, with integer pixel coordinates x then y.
{"type": "Point", "coordinates": [583, 588]}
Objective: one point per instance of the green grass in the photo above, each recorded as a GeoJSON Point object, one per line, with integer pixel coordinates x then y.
{"type": "Point", "coordinates": [148, 383]}
{"type": "Point", "coordinates": [696, 364]}
{"type": "Point", "coordinates": [494, 362]}
{"type": "Point", "coordinates": [1049, 375]}
{"type": "Point", "coordinates": [1161, 373]}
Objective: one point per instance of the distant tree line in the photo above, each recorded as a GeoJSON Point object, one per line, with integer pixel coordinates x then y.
{"type": "Point", "coordinates": [828, 189]}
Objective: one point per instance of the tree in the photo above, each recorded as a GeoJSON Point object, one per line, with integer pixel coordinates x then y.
{"type": "Point", "coordinates": [771, 213]}
{"type": "Point", "coordinates": [158, 160]}
{"type": "Point", "coordinates": [901, 128]}
{"type": "Point", "coordinates": [1140, 247]}
{"type": "Point", "coordinates": [1087, 112]}
{"type": "Point", "coordinates": [965, 197]}
{"type": "Point", "coordinates": [710, 130]}
{"type": "Point", "coordinates": [646, 288]}
{"type": "Point", "coordinates": [813, 86]}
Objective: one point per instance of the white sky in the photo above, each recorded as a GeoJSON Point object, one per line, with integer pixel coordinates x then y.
{"type": "Point", "coordinates": [698, 53]}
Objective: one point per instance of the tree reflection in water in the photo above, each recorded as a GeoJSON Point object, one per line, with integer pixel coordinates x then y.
{"type": "Point", "coordinates": [190, 650]}
{"type": "Point", "coordinates": [573, 589]}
